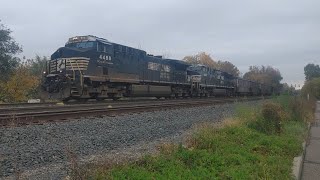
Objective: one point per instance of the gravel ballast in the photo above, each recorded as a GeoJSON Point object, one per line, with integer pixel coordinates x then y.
{"type": "Point", "coordinates": [43, 151]}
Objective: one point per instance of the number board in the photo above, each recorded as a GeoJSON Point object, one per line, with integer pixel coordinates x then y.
{"type": "Point", "coordinates": [104, 59]}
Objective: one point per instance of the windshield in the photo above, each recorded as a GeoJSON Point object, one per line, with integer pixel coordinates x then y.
{"type": "Point", "coordinates": [86, 44]}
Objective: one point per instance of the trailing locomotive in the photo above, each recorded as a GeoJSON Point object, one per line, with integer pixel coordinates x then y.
{"type": "Point", "coordinates": [88, 67]}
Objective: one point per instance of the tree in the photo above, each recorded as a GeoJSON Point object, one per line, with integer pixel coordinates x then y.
{"type": "Point", "coordinates": [20, 84]}
{"type": "Point", "coordinates": [37, 65]}
{"type": "Point", "coordinates": [311, 71]}
{"type": "Point", "coordinates": [191, 59]}
{"type": "Point", "coordinates": [201, 58]}
{"type": "Point", "coordinates": [19, 80]}
{"type": "Point", "coordinates": [264, 74]}
{"type": "Point", "coordinates": [8, 63]}
{"type": "Point", "coordinates": [312, 88]}
{"type": "Point", "coordinates": [285, 88]}
{"type": "Point", "coordinates": [228, 67]}
{"type": "Point", "coordinates": [8, 48]}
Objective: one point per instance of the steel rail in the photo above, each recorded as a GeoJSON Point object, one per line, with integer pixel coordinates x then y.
{"type": "Point", "coordinates": [40, 117]}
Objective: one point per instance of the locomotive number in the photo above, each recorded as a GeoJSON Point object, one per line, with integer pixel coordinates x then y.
{"type": "Point", "coordinates": [105, 57]}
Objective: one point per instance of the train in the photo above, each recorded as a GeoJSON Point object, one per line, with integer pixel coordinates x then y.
{"type": "Point", "coordinates": [89, 67]}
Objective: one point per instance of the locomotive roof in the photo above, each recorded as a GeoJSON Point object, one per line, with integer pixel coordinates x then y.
{"type": "Point", "coordinates": [223, 72]}
{"type": "Point", "coordinates": [87, 38]}
{"type": "Point", "coordinates": [169, 61]}
{"type": "Point", "coordinates": [95, 38]}
{"type": "Point", "coordinates": [178, 62]}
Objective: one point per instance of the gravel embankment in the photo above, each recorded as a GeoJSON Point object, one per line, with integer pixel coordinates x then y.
{"type": "Point", "coordinates": [42, 151]}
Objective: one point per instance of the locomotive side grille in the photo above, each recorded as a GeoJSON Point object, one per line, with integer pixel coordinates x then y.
{"type": "Point", "coordinates": [69, 64]}
{"type": "Point", "coordinates": [77, 63]}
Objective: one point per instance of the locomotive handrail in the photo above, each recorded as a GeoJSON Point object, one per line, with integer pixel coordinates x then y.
{"type": "Point", "coordinates": [73, 72]}
{"type": "Point", "coordinates": [81, 75]}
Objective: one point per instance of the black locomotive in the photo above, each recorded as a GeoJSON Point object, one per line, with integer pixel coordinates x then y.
{"type": "Point", "coordinates": [89, 67]}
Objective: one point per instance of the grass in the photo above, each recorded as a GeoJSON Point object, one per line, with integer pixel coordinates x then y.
{"type": "Point", "coordinates": [238, 150]}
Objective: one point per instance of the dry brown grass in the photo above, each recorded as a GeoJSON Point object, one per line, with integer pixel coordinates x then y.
{"type": "Point", "coordinates": [303, 109]}
{"type": "Point", "coordinates": [166, 147]}
{"type": "Point", "coordinates": [231, 122]}
{"type": "Point", "coordinates": [209, 129]}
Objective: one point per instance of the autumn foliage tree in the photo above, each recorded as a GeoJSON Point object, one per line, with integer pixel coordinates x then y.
{"type": "Point", "coordinates": [20, 84]}
{"type": "Point", "coordinates": [228, 67]}
{"type": "Point", "coordinates": [201, 58]}
{"type": "Point", "coordinates": [264, 74]}
{"type": "Point", "coordinates": [205, 59]}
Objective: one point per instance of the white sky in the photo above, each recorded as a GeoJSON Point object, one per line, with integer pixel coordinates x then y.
{"type": "Point", "coordinates": [283, 34]}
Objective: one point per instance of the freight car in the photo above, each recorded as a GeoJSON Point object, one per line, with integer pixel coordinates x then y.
{"type": "Point", "coordinates": [89, 67]}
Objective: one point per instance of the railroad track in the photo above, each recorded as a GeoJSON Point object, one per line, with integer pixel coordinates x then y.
{"type": "Point", "coordinates": [24, 104]}
{"type": "Point", "coordinates": [25, 107]}
{"type": "Point", "coordinates": [31, 115]}
{"type": "Point", "coordinates": [12, 105]}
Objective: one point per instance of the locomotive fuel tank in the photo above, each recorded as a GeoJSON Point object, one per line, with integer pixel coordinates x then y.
{"type": "Point", "coordinates": [219, 92]}
{"type": "Point", "coordinates": [149, 90]}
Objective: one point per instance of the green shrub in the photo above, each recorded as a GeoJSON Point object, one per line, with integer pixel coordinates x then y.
{"type": "Point", "coordinates": [272, 116]}
{"type": "Point", "coordinates": [270, 119]}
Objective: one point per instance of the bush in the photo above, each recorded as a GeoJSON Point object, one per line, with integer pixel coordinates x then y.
{"type": "Point", "coordinates": [19, 85]}
{"type": "Point", "coordinates": [270, 118]}
{"type": "Point", "coordinates": [272, 115]}
{"type": "Point", "coordinates": [282, 108]}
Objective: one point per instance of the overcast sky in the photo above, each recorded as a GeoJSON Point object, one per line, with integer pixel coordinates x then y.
{"type": "Point", "coordinates": [280, 33]}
